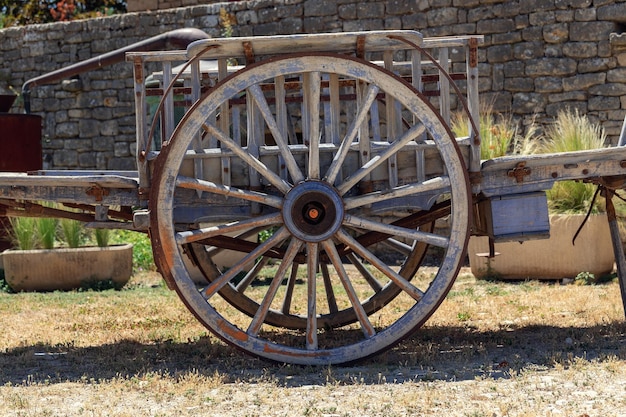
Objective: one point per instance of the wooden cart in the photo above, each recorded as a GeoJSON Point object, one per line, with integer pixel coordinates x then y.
{"type": "Point", "coordinates": [308, 181]}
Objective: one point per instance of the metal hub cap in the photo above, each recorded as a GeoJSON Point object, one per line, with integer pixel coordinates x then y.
{"type": "Point", "coordinates": [313, 211]}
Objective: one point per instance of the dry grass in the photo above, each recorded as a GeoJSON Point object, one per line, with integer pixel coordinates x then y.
{"type": "Point", "coordinates": [491, 349]}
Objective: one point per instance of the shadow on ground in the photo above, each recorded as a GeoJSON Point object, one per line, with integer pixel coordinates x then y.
{"type": "Point", "coordinates": [447, 353]}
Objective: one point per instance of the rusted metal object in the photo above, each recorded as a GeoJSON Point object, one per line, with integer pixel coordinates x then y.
{"type": "Point", "coordinates": [178, 38]}
{"type": "Point", "coordinates": [20, 142]}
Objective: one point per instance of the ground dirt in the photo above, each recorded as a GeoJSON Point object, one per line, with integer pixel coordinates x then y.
{"type": "Point", "coordinates": [495, 349]}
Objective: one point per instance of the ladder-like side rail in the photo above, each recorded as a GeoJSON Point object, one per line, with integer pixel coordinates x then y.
{"type": "Point", "coordinates": [227, 54]}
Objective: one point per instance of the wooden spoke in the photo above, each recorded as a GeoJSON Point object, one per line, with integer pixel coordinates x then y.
{"type": "Point", "coordinates": [328, 288]}
{"type": "Point", "coordinates": [211, 187]}
{"type": "Point", "coordinates": [391, 230]}
{"type": "Point", "coordinates": [291, 283]}
{"type": "Point", "coordinates": [371, 279]}
{"type": "Point", "coordinates": [259, 166]}
{"type": "Point", "coordinates": [368, 167]}
{"type": "Point", "coordinates": [439, 184]}
{"type": "Point", "coordinates": [311, 86]}
{"type": "Point", "coordinates": [311, 328]}
{"type": "Point", "coordinates": [259, 318]}
{"type": "Point", "coordinates": [400, 281]}
{"type": "Point", "coordinates": [252, 274]}
{"type": "Point", "coordinates": [259, 98]}
{"type": "Point", "coordinates": [403, 248]}
{"type": "Point", "coordinates": [366, 325]}
{"type": "Point", "coordinates": [338, 160]}
{"type": "Point", "coordinates": [210, 290]}
{"type": "Point", "coordinates": [195, 235]}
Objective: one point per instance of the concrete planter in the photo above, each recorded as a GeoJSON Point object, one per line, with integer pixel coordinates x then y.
{"type": "Point", "coordinates": [67, 268]}
{"type": "Point", "coordinates": [553, 258]}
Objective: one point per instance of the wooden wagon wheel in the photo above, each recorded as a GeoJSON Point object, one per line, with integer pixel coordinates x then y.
{"type": "Point", "coordinates": [321, 206]}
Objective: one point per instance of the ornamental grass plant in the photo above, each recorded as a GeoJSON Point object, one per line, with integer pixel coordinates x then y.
{"type": "Point", "coordinates": [570, 132]}
{"type": "Point", "coordinates": [500, 134]}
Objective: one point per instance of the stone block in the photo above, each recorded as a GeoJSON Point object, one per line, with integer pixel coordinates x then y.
{"type": "Point", "coordinates": [541, 18]}
{"type": "Point", "coordinates": [364, 24]}
{"type": "Point", "coordinates": [370, 10]}
{"type": "Point", "coordinates": [548, 84]}
{"type": "Point", "coordinates": [615, 12]}
{"type": "Point", "coordinates": [566, 4]}
{"type": "Point", "coordinates": [591, 31]}
{"type": "Point", "coordinates": [290, 25]}
{"type": "Point", "coordinates": [533, 33]}
{"type": "Point", "coordinates": [66, 130]}
{"type": "Point", "coordinates": [109, 128]}
{"type": "Point", "coordinates": [121, 164]}
{"type": "Point", "coordinates": [568, 96]}
{"type": "Point", "coordinates": [528, 50]}
{"type": "Point", "coordinates": [528, 102]}
{"type": "Point", "coordinates": [102, 113]}
{"type": "Point", "coordinates": [462, 29]}
{"type": "Point", "coordinates": [617, 75]}
{"type": "Point", "coordinates": [65, 158]}
{"type": "Point", "coordinates": [319, 8]}
{"type": "Point", "coordinates": [551, 66]}
{"type": "Point", "coordinates": [415, 21]}
{"type": "Point", "coordinates": [556, 33]}
{"type": "Point", "coordinates": [554, 109]}
{"type": "Point", "coordinates": [514, 69]}
{"type": "Point", "coordinates": [596, 65]}
{"type": "Point", "coordinates": [141, 5]}
{"type": "Point", "coordinates": [519, 84]}
{"type": "Point", "coordinates": [347, 11]}
{"type": "Point", "coordinates": [501, 101]}
{"type": "Point", "coordinates": [80, 145]}
{"type": "Point", "coordinates": [499, 53]}
{"type": "Point", "coordinates": [609, 90]}
{"type": "Point", "coordinates": [564, 16]}
{"type": "Point", "coordinates": [398, 7]}
{"type": "Point", "coordinates": [88, 128]}
{"type": "Point", "coordinates": [121, 149]}
{"type": "Point", "coordinates": [580, 50]}
{"type": "Point", "coordinates": [530, 6]}
{"type": "Point", "coordinates": [583, 81]}
{"type": "Point", "coordinates": [604, 103]}
{"type": "Point", "coordinates": [506, 38]}
{"type": "Point", "coordinates": [395, 23]}
{"type": "Point", "coordinates": [86, 160]}
{"type": "Point", "coordinates": [443, 16]}
{"type": "Point", "coordinates": [495, 26]}
{"type": "Point", "coordinates": [103, 143]}
{"type": "Point", "coordinates": [586, 15]}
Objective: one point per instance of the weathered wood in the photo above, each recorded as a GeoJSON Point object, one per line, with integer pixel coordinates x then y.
{"type": "Point", "coordinates": [284, 44]}
{"type": "Point", "coordinates": [522, 173]}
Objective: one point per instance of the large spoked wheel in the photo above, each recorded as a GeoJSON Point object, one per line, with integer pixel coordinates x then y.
{"type": "Point", "coordinates": [328, 186]}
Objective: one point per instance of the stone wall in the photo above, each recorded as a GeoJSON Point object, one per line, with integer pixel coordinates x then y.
{"type": "Point", "coordinates": [539, 56]}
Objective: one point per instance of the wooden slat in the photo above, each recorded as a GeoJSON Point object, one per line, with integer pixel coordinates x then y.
{"type": "Point", "coordinates": [323, 42]}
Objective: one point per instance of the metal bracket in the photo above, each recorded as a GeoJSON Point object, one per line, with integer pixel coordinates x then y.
{"type": "Point", "coordinates": [97, 192]}
{"type": "Point", "coordinates": [519, 172]}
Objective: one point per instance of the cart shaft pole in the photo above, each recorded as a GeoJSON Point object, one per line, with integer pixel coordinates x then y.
{"type": "Point", "coordinates": [620, 258]}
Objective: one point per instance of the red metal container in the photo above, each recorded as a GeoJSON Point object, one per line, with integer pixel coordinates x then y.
{"type": "Point", "coordinates": [20, 142]}
{"type": "Point", "coordinates": [20, 151]}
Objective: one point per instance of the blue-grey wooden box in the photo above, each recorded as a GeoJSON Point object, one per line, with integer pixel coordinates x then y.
{"type": "Point", "coordinates": [513, 217]}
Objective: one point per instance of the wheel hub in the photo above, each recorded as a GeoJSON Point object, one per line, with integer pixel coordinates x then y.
{"type": "Point", "coordinates": [313, 211]}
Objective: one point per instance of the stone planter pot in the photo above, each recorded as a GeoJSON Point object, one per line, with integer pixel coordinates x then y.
{"type": "Point", "coordinates": [67, 268]}
{"type": "Point", "coordinates": [553, 258]}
